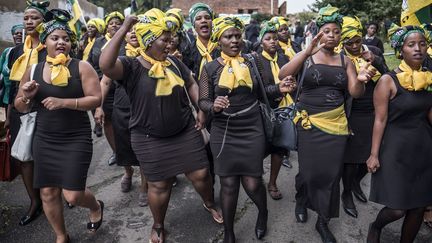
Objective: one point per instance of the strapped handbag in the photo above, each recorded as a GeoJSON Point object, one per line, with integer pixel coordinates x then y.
{"type": "Point", "coordinates": [8, 169]}
{"type": "Point", "coordinates": [22, 147]}
{"type": "Point", "coordinates": [267, 113]}
{"type": "Point", "coordinates": [204, 131]}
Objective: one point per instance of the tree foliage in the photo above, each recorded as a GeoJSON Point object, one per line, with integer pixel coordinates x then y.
{"type": "Point", "coordinates": [120, 5]}
{"type": "Point", "coordinates": [366, 10]}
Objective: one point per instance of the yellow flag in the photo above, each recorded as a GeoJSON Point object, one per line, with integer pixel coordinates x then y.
{"type": "Point", "coordinates": [416, 12]}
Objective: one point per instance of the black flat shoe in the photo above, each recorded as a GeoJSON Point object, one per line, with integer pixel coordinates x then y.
{"type": "Point", "coordinates": [348, 205]}
{"type": "Point", "coordinates": [29, 218]}
{"type": "Point", "coordinates": [261, 226]}
{"type": "Point", "coordinates": [94, 226]}
{"type": "Point", "coordinates": [112, 160]}
{"type": "Point", "coordinates": [322, 227]}
{"type": "Point", "coordinates": [301, 213]}
{"type": "Point", "coordinates": [358, 193]}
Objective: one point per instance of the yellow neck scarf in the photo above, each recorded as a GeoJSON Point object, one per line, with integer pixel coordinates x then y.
{"type": "Point", "coordinates": [88, 48]}
{"type": "Point", "coordinates": [59, 71]}
{"type": "Point", "coordinates": [132, 51]}
{"type": "Point", "coordinates": [235, 73]}
{"type": "Point", "coordinates": [359, 62]}
{"type": "Point", "coordinates": [414, 80]}
{"type": "Point", "coordinates": [166, 79]}
{"type": "Point", "coordinates": [28, 58]}
{"type": "Point", "coordinates": [287, 100]}
{"type": "Point", "coordinates": [205, 52]}
{"type": "Point", "coordinates": [289, 51]}
{"type": "Point", "coordinates": [332, 122]}
{"type": "Point", "coordinates": [108, 38]}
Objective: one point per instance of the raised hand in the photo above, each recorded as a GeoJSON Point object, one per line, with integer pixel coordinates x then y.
{"type": "Point", "coordinates": [130, 21]}
{"type": "Point", "coordinates": [315, 45]}
{"type": "Point", "coordinates": [365, 73]}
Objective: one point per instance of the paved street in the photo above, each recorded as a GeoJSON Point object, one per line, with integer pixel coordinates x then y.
{"type": "Point", "coordinates": [186, 221]}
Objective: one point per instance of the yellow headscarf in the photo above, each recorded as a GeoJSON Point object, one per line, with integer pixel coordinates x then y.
{"type": "Point", "coordinates": [235, 73]}
{"type": "Point", "coordinates": [414, 80]}
{"type": "Point", "coordinates": [28, 58]}
{"type": "Point", "coordinates": [221, 24]}
{"type": "Point", "coordinates": [166, 79]}
{"type": "Point", "coordinates": [98, 23]}
{"type": "Point", "coordinates": [59, 72]}
{"type": "Point", "coordinates": [177, 13]}
{"type": "Point", "coordinates": [287, 100]}
{"type": "Point", "coordinates": [112, 15]}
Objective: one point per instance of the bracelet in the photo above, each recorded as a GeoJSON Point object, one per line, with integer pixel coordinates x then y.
{"type": "Point", "coordinates": [76, 104]}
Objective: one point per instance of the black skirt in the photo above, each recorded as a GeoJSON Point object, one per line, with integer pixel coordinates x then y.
{"type": "Point", "coordinates": [164, 158]}
{"type": "Point", "coordinates": [244, 148]}
{"type": "Point", "coordinates": [359, 144]}
{"type": "Point", "coordinates": [320, 157]}
{"type": "Point", "coordinates": [122, 137]}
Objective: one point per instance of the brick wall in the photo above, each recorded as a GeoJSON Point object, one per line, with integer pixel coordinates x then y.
{"type": "Point", "coordinates": [231, 6]}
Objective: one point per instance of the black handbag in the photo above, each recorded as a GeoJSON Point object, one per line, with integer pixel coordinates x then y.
{"type": "Point", "coordinates": [267, 113]}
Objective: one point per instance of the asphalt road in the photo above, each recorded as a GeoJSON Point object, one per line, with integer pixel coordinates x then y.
{"type": "Point", "coordinates": [186, 220]}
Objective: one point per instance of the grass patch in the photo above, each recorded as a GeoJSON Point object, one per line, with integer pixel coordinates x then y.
{"type": "Point", "coordinates": [391, 60]}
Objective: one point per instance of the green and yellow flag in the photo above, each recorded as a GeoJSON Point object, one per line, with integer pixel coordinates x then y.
{"type": "Point", "coordinates": [416, 12]}
{"type": "Point", "coordinates": [78, 17]}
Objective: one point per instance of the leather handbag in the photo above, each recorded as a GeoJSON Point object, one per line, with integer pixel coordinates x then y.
{"type": "Point", "coordinates": [8, 169]}
{"type": "Point", "coordinates": [22, 147]}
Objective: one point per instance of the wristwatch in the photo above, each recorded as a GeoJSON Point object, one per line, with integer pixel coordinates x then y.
{"type": "Point", "coordinates": [25, 100]}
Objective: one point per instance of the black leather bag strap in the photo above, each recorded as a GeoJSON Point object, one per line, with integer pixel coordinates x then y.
{"type": "Point", "coordinates": [300, 83]}
{"type": "Point", "coordinates": [258, 77]}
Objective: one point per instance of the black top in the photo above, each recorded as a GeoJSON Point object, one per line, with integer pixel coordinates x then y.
{"type": "Point", "coordinates": [375, 41]}
{"type": "Point", "coordinates": [240, 97]}
{"type": "Point", "coordinates": [157, 116]}
{"type": "Point", "coordinates": [193, 58]}
{"type": "Point", "coordinates": [268, 75]}
{"type": "Point", "coordinates": [299, 30]}
{"type": "Point", "coordinates": [80, 53]}
{"type": "Point", "coordinates": [324, 87]}
{"type": "Point", "coordinates": [427, 63]}
{"type": "Point", "coordinates": [96, 51]}
{"type": "Point", "coordinates": [15, 53]}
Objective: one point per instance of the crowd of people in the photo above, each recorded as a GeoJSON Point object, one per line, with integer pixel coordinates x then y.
{"type": "Point", "coordinates": [152, 87]}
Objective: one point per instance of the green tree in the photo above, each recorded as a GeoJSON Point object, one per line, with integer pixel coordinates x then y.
{"type": "Point", "coordinates": [120, 5]}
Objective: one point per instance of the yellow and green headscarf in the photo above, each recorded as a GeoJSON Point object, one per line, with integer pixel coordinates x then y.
{"type": "Point", "coordinates": [221, 24]}
{"type": "Point", "coordinates": [42, 6]}
{"type": "Point", "coordinates": [351, 27]}
{"type": "Point", "coordinates": [177, 13]}
{"type": "Point", "coordinates": [329, 14]}
{"type": "Point", "coordinates": [198, 7]}
{"type": "Point", "coordinates": [269, 27]}
{"type": "Point", "coordinates": [98, 23]}
{"type": "Point", "coordinates": [152, 25]}
{"type": "Point", "coordinates": [112, 15]}
{"type": "Point", "coordinates": [278, 21]}
{"type": "Point", "coordinates": [397, 36]}
{"type": "Point", "coordinates": [59, 21]}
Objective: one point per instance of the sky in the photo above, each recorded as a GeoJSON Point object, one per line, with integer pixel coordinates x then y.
{"type": "Point", "coordinates": [295, 6]}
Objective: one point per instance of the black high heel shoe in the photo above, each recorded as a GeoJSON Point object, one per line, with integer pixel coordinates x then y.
{"type": "Point", "coordinates": [322, 227]}
{"type": "Point", "coordinates": [93, 227]}
{"type": "Point", "coordinates": [358, 193]}
{"type": "Point", "coordinates": [29, 218]}
{"type": "Point", "coordinates": [348, 204]}
{"type": "Point", "coordinates": [261, 226]}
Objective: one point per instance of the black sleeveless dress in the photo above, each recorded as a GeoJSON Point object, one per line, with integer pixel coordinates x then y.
{"type": "Point", "coordinates": [62, 142]}
{"type": "Point", "coordinates": [404, 179]}
{"type": "Point", "coordinates": [320, 155]}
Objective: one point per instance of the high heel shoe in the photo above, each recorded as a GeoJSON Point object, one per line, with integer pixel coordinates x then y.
{"type": "Point", "coordinates": [29, 218]}
{"type": "Point", "coordinates": [358, 193]}
{"type": "Point", "coordinates": [94, 226]}
{"type": "Point", "coordinates": [348, 204]}
{"type": "Point", "coordinates": [322, 227]}
{"type": "Point", "coordinates": [261, 225]}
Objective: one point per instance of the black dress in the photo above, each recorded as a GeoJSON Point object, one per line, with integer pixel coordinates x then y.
{"type": "Point", "coordinates": [404, 178]}
{"type": "Point", "coordinates": [62, 142]}
{"type": "Point", "coordinates": [361, 117]}
{"type": "Point", "coordinates": [163, 135]}
{"type": "Point", "coordinates": [93, 59]}
{"type": "Point", "coordinates": [14, 118]}
{"type": "Point", "coordinates": [268, 75]}
{"type": "Point", "coordinates": [241, 150]}
{"type": "Point", "coordinates": [320, 154]}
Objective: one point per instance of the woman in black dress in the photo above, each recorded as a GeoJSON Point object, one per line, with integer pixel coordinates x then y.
{"type": "Point", "coordinates": [229, 90]}
{"type": "Point", "coordinates": [361, 115]}
{"type": "Point", "coordinates": [164, 135]}
{"type": "Point", "coordinates": [401, 156]}
{"type": "Point", "coordinates": [322, 124]}
{"type": "Point", "coordinates": [286, 46]}
{"type": "Point", "coordinates": [95, 28]}
{"type": "Point", "coordinates": [271, 61]}
{"type": "Point", "coordinates": [22, 56]}
{"type": "Point", "coordinates": [113, 22]}
{"type": "Point", "coordinates": [63, 89]}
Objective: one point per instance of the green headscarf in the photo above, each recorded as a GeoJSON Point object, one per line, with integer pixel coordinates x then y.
{"type": "Point", "coordinates": [42, 6]}
{"type": "Point", "coordinates": [397, 36]}
{"type": "Point", "coordinates": [221, 24]}
{"type": "Point", "coordinates": [198, 7]}
{"type": "Point", "coordinates": [58, 20]}
{"type": "Point", "coordinates": [329, 14]}
{"type": "Point", "coordinates": [16, 27]}
{"type": "Point", "coordinates": [269, 27]}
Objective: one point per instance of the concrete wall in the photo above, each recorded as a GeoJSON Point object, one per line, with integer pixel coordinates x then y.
{"type": "Point", "coordinates": [12, 11]}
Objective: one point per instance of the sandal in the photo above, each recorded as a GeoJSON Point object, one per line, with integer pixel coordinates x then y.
{"type": "Point", "coordinates": [428, 222]}
{"type": "Point", "coordinates": [212, 210]}
{"type": "Point", "coordinates": [274, 192]}
{"type": "Point", "coordinates": [94, 226]}
{"type": "Point", "coordinates": [159, 233]}
{"type": "Point", "coordinates": [142, 199]}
